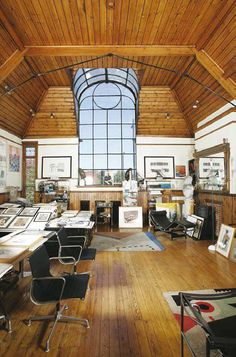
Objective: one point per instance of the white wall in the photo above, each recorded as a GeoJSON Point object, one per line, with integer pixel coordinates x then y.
{"type": "Point", "coordinates": [59, 147]}
{"type": "Point", "coordinates": [181, 148]}
{"type": "Point", "coordinates": [214, 134]}
{"type": "Point", "coordinates": [12, 178]}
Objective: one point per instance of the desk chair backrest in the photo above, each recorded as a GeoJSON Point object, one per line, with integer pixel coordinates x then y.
{"type": "Point", "coordinates": [40, 263]}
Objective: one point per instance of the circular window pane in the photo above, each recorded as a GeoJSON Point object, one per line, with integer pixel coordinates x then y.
{"type": "Point", "coordinates": [107, 95]}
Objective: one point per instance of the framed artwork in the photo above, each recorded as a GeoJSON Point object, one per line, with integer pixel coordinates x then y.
{"type": "Point", "coordinates": [159, 166]}
{"type": "Point", "coordinates": [232, 253]}
{"type": "Point", "coordinates": [14, 159]}
{"type": "Point", "coordinates": [42, 217]}
{"type": "Point", "coordinates": [199, 221]}
{"type": "Point", "coordinates": [213, 165]}
{"type": "Point", "coordinates": [130, 217]}
{"type": "Point", "coordinates": [180, 171]}
{"type": "Point", "coordinates": [13, 211]}
{"type": "Point", "coordinates": [225, 239]}
{"type": "Point", "coordinates": [56, 166]}
{"type": "Point", "coordinates": [21, 222]}
{"type": "Point", "coordinates": [5, 220]}
{"type": "Point", "coordinates": [29, 211]}
{"type": "Point", "coordinates": [191, 219]}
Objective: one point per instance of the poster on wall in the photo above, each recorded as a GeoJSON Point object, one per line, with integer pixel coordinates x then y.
{"type": "Point", "coordinates": [159, 167]}
{"type": "Point", "coordinates": [3, 155]}
{"type": "Point", "coordinates": [2, 178]}
{"type": "Point", "coordinates": [3, 163]}
{"type": "Point", "coordinates": [14, 159]}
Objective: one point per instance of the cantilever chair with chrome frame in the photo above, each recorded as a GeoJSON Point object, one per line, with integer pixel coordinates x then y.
{"type": "Point", "coordinates": [48, 289]}
{"type": "Point", "coordinates": [73, 245]}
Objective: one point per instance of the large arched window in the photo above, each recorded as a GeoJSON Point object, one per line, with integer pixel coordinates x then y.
{"type": "Point", "coordinates": [106, 107]}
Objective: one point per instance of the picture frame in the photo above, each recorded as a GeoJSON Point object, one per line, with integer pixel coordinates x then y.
{"type": "Point", "coordinates": [5, 220]}
{"type": "Point", "coordinates": [213, 164]}
{"type": "Point", "coordinates": [232, 253]}
{"type": "Point", "coordinates": [29, 211]}
{"type": "Point", "coordinates": [180, 171]}
{"type": "Point", "coordinates": [225, 239]}
{"type": "Point", "coordinates": [159, 166]}
{"type": "Point", "coordinates": [199, 221]}
{"type": "Point", "coordinates": [42, 217]}
{"type": "Point", "coordinates": [191, 219]}
{"type": "Point", "coordinates": [21, 222]}
{"type": "Point", "coordinates": [56, 167]}
{"type": "Point", "coordinates": [13, 211]}
{"type": "Point", "coordinates": [130, 217]}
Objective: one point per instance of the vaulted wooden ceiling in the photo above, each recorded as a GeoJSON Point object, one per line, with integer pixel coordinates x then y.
{"type": "Point", "coordinates": [196, 38]}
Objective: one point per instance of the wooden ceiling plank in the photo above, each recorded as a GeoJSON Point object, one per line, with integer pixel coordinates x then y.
{"type": "Point", "coordinates": [96, 23]}
{"type": "Point", "coordinates": [204, 12]}
{"type": "Point", "coordinates": [188, 63]}
{"type": "Point", "coordinates": [215, 24]}
{"type": "Point", "coordinates": [170, 21]}
{"type": "Point", "coordinates": [90, 21]}
{"type": "Point", "coordinates": [207, 62]}
{"type": "Point", "coordinates": [31, 118]}
{"type": "Point", "coordinates": [187, 120]}
{"type": "Point", "coordinates": [163, 26]}
{"type": "Point", "coordinates": [130, 22]}
{"type": "Point", "coordinates": [83, 21]}
{"type": "Point", "coordinates": [123, 21]}
{"type": "Point", "coordinates": [11, 63]}
{"type": "Point", "coordinates": [132, 50]}
{"type": "Point", "coordinates": [137, 20]}
{"type": "Point", "coordinates": [157, 21]}
{"type": "Point", "coordinates": [9, 28]}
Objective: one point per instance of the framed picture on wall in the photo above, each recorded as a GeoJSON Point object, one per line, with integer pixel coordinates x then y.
{"type": "Point", "coordinates": [180, 171]}
{"type": "Point", "coordinates": [211, 165]}
{"type": "Point", "coordinates": [56, 167]}
{"type": "Point", "coordinates": [159, 166]}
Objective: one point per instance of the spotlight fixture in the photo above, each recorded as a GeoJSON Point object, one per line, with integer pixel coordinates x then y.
{"type": "Point", "coordinates": [196, 104]}
{"type": "Point", "coordinates": [111, 4]}
{"type": "Point", "coordinates": [52, 115]}
{"type": "Point", "coordinates": [167, 115]}
{"type": "Point", "coordinates": [32, 112]}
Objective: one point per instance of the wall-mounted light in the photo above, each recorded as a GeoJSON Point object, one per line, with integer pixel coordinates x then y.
{"type": "Point", "coordinates": [167, 115]}
{"type": "Point", "coordinates": [52, 115]}
{"type": "Point", "coordinates": [196, 104]}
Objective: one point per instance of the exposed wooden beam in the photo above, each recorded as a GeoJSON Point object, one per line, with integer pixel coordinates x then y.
{"type": "Point", "coordinates": [144, 50]}
{"type": "Point", "coordinates": [187, 120]}
{"type": "Point", "coordinates": [216, 71]}
{"type": "Point", "coordinates": [11, 63]}
{"type": "Point", "coordinates": [183, 70]}
{"type": "Point", "coordinates": [230, 70]}
{"type": "Point", "coordinates": [11, 31]}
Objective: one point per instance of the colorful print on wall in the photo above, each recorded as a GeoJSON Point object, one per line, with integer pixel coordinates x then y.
{"type": "Point", "coordinates": [14, 159]}
{"type": "Point", "coordinates": [180, 171]}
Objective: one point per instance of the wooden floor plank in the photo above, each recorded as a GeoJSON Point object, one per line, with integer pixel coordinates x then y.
{"type": "Point", "coordinates": [125, 305]}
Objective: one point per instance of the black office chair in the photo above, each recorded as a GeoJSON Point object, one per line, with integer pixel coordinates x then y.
{"type": "Point", "coordinates": [220, 333]}
{"type": "Point", "coordinates": [73, 245]}
{"type": "Point", "coordinates": [48, 289]}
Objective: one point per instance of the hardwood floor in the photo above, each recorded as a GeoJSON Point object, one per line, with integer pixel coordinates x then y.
{"type": "Point", "coordinates": [125, 306]}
